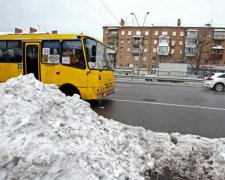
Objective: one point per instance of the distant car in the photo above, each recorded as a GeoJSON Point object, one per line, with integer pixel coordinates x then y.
{"type": "Point", "coordinates": [216, 81]}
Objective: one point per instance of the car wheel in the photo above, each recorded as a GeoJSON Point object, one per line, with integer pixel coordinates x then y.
{"type": "Point", "coordinates": [219, 87]}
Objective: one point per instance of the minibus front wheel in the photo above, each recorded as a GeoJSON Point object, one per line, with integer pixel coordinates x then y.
{"type": "Point", "coordinates": [69, 89]}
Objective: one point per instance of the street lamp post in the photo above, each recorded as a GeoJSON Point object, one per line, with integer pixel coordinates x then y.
{"type": "Point", "coordinates": [140, 39]}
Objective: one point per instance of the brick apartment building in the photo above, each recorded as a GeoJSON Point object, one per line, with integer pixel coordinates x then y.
{"type": "Point", "coordinates": [199, 46]}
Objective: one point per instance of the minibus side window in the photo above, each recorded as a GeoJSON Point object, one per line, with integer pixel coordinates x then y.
{"type": "Point", "coordinates": [11, 51]}
{"type": "Point", "coordinates": [51, 52]}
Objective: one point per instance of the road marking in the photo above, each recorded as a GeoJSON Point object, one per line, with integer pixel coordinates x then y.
{"type": "Point", "coordinates": [167, 104]}
{"type": "Point", "coordinates": [118, 89]}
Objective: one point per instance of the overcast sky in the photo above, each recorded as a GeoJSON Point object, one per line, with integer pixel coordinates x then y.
{"type": "Point", "coordinates": [88, 16]}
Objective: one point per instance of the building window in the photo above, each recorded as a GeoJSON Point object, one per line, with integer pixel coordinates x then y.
{"type": "Point", "coordinates": [209, 34]}
{"type": "Point", "coordinates": [144, 58]}
{"type": "Point", "coordinates": [155, 42]}
{"type": "Point", "coordinates": [174, 33]}
{"type": "Point", "coordinates": [121, 48]}
{"type": "Point", "coordinates": [146, 33]}
{"type": "Point", "coordinates": [182, 33]}
{"type": "Point", "coordinates": [156, 33]}
{"type": "Point", "coordinates": [181, 52]}
{"type": "Point", "coordinates": [122, 33]}
{"type": "Point", "coordinates": [138, 33]}
{"type": "Point", "coordinates": [145, 49]}
{"type": "Point", "coordinates": [180, 43]}
{"type": "Point", "coordinates": [172, 51]}
{"type": "Point", "coordinates": [129, 33]}
{"type": "Point", "coordinates": [121, 57]}
{"type": "Point", "coordinates": [136, 58]}
{"type": "Point", "coordinates": [146, 42]}
{"type": "Point", "coordinates": [128, 57]}
{"type": "Point", "coordinates": [128, 41]}
{"type": "Point", "coordinates": [128, 49]}
{"type": "Point", "coordinates": [131, 65]}
{"type": "Point", "coordinates": [173, 43]}
{"type": "Point", "coordinates": [144, 66]}
{"type": "Point", "coordinates": [122, 41]}
{"type": "Point", "coordinates": [127, 65]}
{"type": "Point", "coordinates": [154, 50]}
{"type": "Point", "coordinates": [164, 33]}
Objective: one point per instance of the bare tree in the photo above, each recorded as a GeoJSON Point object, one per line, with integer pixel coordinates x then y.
{"type": "Point", "coordinates": [201, 43]}
{"type": "Point", "coordinates": [201, 46]}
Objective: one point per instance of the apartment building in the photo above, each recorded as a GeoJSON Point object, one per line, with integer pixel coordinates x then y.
{"type": "Point", "coordinates": [143, 48]}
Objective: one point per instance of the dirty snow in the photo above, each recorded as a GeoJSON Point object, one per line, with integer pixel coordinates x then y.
{"type": "Point", "coordinates": [46, 135]}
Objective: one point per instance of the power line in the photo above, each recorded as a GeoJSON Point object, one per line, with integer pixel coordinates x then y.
{"type": "Point", "coordinates": [109, 11]}
{"type": "Point", "coordinates": [92, 7]}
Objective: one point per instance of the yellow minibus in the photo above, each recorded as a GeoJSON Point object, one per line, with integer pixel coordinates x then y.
{"type": "Point", "coordinates": [76, 63]}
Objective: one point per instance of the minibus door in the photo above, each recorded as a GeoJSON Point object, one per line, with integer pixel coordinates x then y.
{"type": "Point", "coordinates": [32, 58]}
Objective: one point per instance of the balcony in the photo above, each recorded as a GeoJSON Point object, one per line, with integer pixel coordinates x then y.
{"type": "Point", "coordinates": [192, 34]}
{"type": "Point", "coordinates": [216, 56]}
{"type": "Point", "coordinates": [191, 52]}
{"type": "Point", "coordinates": [217, 52]}
{"type": "Point", "coordinates": [163, 50]}
{"type": "Point", "coordinates": [191, 42]}
{"type": "Point", "coordinates": [137, 36]}
{"type": "Point", "coordinates": [136, 51]}
{"type": "Point", "coordinates": [112, 47]}
{"type": "Point", "coordinates": [219, 34]}
{"type": "Point", "coordinates": [164, 41]}
{"type": "Point", "coordinates": [137, 42]}
{"type": "Point", "coordinates": [220, 48]}
{"type": "Point", "coordinates": [111, 51]}
{"type": "Point", "coordinates": [112, 42]}
{"type": "Point", "coordinates": [112, 34]}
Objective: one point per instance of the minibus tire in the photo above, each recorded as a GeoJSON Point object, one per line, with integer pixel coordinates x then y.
{"type": "Point", "coordinates": [69, 90]}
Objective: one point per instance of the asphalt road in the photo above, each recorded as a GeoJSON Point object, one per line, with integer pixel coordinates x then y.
{"type": "Point", "coordinates": [162, 108]}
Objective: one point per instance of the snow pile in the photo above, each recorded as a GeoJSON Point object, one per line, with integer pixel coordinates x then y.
{"type": "Point", "coordinates": [46, 135]}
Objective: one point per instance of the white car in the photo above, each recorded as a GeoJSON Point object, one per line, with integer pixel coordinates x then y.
{"type": "Point", "coordinates": [216, 81]}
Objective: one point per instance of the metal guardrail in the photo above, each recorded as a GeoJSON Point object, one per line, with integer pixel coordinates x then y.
{"type": "Point", "coordinates": [160, 78]}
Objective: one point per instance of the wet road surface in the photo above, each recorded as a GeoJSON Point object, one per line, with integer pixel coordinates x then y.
{"type": "Point", "coordinates": [161, 108]}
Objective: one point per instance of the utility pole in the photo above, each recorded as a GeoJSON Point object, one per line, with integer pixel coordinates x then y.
{"type": "Point", "coordinates": [140, 39]}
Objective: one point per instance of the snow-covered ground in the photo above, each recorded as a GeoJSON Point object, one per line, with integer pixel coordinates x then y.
{"type": "Point", "coordinates": [46, 135]}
